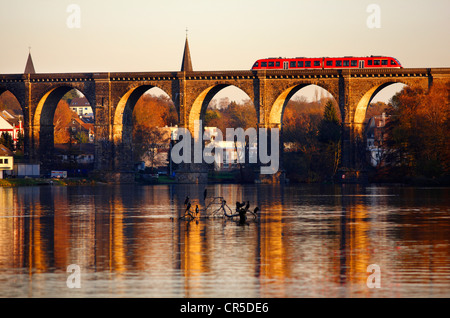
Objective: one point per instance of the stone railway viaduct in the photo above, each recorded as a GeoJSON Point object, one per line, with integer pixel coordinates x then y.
{"type": "Point", "coordinates": [114, 95]}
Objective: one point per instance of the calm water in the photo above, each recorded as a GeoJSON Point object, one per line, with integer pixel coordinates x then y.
{"type": "Point", "coordinates": [309, 241]}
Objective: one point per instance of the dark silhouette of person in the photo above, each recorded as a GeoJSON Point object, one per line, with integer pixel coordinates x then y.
{"type": "Point", "coordinates": [186, 201]}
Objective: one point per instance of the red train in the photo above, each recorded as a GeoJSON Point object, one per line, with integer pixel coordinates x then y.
{"type": "Point", "coordinates": [346, 62]}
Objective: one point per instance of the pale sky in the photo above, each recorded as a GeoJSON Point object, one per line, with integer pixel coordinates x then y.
{"type": "Point", "coordinates": [148, 35]}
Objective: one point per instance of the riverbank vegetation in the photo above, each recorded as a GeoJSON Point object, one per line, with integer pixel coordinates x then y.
{"type": "Point", "coordinates": [417, 137]}
{"type": "Point", "coordinates": [22, 182]}
{"type": "Point", "coordinates": [311, 140]}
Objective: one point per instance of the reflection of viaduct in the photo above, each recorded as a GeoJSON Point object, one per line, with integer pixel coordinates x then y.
{"type": "Point", "coordinates": [114, 95]}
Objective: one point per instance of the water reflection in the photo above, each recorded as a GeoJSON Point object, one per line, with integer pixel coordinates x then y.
{"type": "Point", "coordinates": [309, 241]}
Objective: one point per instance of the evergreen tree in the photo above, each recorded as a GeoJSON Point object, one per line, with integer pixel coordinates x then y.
{"type": "Point", "coordinates": [330, 137]}
{"type": "Point", "coordinates": [7, 140]}
{"type": "Point", "coordinates": [330, 127]}
{"type": "Point", "coordinates": [20, 141]}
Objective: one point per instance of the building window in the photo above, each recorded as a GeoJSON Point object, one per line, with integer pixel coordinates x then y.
{"type": "Point", "coordinates": [5, 161]}
{"type": "Point", "coordinates": [1, 161]}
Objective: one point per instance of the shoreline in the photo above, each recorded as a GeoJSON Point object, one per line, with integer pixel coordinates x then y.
{"type": "Point", "coordinates": [27, 182]}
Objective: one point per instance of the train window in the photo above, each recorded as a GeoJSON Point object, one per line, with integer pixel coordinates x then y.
{"type": "Point", "coordinates": [316, 63]}
{"type": "Point", "coordinates": [339, 63]}
{"type": "Point", "coordinates": [300, 64]}
{"type": "Point", "coordinates": [277, 64]}
{"type": "Point", "coordinates": [393, 62]}
{"type": "Point", "coordinates": [308, 64]}
{"type": "Point", "coordinates": [354, 63]}
{"type": "Point", "coordinates": [346, 62]}
{"type": "Point", "coordinates": [376, 62]}
{"type": "Point", "coordinates": [292, 64]}
{"type": "Point", "coordinates": [256, 64]}
{"type": "Point", "coordinates": [384, 62]}
{"type": "Point", "coordinates": [329, 63]}
{"type": "Point", "coordinates": [263, 64]}
{"type": "Point", "coordinates": [271, 64]}
{"type": "Point", "coordinates": [369, 62]}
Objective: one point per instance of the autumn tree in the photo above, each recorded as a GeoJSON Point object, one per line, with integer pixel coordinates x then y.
{"type": "Point", "coordinates": [418, 130]}
{"type": "Point", "coordinates": [232, 115]}
{"type": "Point", "coordinates": [62, 118]}
{"type": "Point", "coordinates": [213, 118]}
{"type": "Point", "coordinates": [376, 109]}
{"type": "Point", "coordinates": [150, 114]}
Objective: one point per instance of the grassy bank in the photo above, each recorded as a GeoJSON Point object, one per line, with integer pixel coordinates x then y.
{"type": "Point", "coordinates": [19, 182]}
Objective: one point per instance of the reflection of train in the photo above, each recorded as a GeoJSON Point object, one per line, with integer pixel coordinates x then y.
{"type": "Point", "coordinates": [347, 62]}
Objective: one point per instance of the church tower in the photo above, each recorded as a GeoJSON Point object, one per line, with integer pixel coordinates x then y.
{"type": "Point", "coordinates": [29, 67]}
{"type": "Point", "coordinates": [186, 65]}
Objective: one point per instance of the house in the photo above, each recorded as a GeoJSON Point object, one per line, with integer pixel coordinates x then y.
{"type": "Point", "coordinates": [157, 155]}
{"type": "Point", "coordinates": [375, 139]}
{"type": "Point", "coordinates": [231, 154]}
{"type": "Point", "coordinates": [11, 124]}
{"type": "Point", "coordinates": [81, 154]}
{"type": "Point", "coordinates": [6, 160]}
{"type": "Point", "coordinates": [77, 126]}
{"type": "Point", "coordinates": [82, 107]}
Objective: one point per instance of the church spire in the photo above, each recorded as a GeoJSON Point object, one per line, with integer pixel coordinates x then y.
{"type": "Point", "coordinates": [29, 68]}
{"type": "Point", "coordinates": [186, 65]}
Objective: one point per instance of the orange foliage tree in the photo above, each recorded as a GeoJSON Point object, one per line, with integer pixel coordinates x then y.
{"type": "Point", "coordinates": [418, 131]}
{"type": "Point", "coordinates": [231, 115]}
{"type": "Point", "coordinates": [62, 118]}
{"type": "Point", "coordinates": [151, 113]}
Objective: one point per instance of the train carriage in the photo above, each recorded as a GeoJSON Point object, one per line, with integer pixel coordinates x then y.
{"type": "Point", "coordinates": [347, 62]}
